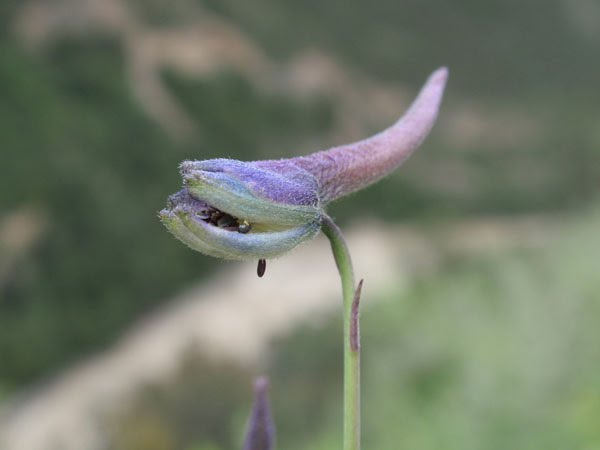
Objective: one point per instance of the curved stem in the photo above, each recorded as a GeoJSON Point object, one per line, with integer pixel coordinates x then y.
{"type": "Point", "coordinates": [351, 335]}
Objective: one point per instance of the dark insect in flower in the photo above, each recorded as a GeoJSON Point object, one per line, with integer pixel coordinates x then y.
{"type": "Point", "coordinates": [225, 221]}
{"type": "Point", "coordinates": [222, 220]}
{"type": "Point", "coordinates": [215, 216]}
{"type": "Point", "coordinates": [262, 266]}
{"type": "Point", "coordinates": [244, 227]}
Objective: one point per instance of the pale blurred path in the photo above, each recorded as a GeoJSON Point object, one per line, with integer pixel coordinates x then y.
{"type": "Point", "coordinates": [234, 316]}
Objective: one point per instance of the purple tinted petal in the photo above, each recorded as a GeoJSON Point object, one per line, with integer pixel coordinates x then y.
{"type": "Point", "coordinates": [348, 168]}
{"type": "Point", "coordinates": [287, 184]}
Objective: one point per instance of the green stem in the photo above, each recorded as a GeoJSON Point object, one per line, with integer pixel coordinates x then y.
{"type": "Point", "coordinates": [351, 335]}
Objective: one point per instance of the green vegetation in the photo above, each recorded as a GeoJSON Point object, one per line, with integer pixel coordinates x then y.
{"type": "Point", "coordinates": [78, 147]}
{"type": "Point", "coordinates": [530, 58]}
{"type": "Point", "coordinates": [195, 411]}
{"type": "Point", "coordinates": [496, 49]}
{"type": "Point", "coordinates": [491, 353]}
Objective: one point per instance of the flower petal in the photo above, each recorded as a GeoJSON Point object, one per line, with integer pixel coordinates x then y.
{"type": "Point", "coordinates": [221, 243]}
{"type": "Point", "coordinates": [348, 168]}
{"type": "Point", "coordinates": [252, 193]}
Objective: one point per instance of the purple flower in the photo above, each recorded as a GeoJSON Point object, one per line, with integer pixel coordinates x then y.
{"type": "Point", "coordinates": [257, 210]}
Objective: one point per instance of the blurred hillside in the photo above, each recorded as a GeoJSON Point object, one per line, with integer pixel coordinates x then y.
{"type": "Point", "coordinates": [101, 99]}
{"type": "Point", "coordinates": [180, 378]}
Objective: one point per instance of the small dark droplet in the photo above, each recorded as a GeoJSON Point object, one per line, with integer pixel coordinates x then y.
{"type": "Point", "coordinates": [262, 266]}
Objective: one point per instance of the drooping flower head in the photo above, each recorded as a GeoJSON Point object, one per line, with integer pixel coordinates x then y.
{"type": "Point", "coordinates": [261, 209]}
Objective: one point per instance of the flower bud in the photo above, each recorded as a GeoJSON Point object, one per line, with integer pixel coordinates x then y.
{"type": "Point", "coordinates": [261, 430]}
{"type": "Point", "coordinates": [259, 210]}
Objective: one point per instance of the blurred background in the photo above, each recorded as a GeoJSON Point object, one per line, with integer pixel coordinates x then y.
{"type": "Point", "coordinates": [480, 256]}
